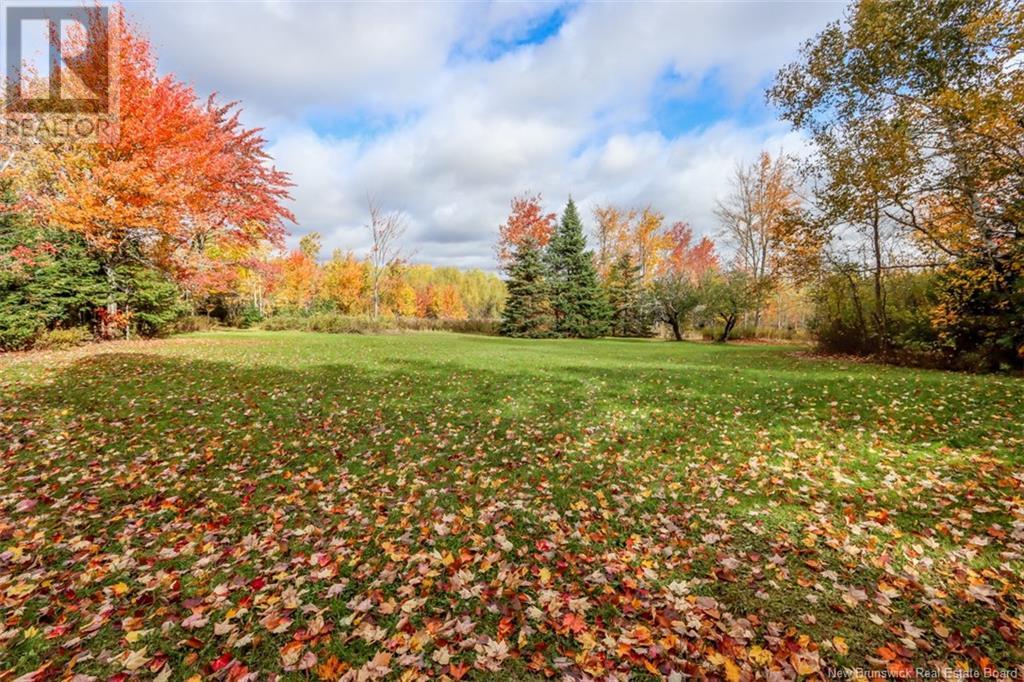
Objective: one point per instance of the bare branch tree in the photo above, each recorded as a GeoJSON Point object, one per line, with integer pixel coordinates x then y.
{"type": "Point", "coordinates": [751, 216]}
{"type": "Point", "coordinates": [386, 232]}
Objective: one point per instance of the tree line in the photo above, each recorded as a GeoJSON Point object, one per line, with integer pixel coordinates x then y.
{"type": "Point", "coordinates": [644, 272]}
{"type": "Point", "coordinates": [179, 212]}
{"type": "Point", "coordinates": [899, 236]}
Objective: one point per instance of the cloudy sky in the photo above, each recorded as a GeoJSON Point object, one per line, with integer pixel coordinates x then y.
{"type": "Point", "coordinates": [445, 111]}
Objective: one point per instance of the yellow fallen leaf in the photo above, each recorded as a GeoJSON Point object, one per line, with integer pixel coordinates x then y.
{"type": "Point", "coordinates": [21, 589]}
{"type": "Point", "coordinates": [840, 644]}
{"type": "Point", "coordinates": [732, 671]}
{"type": "Point", "coordinates": [759, 656]}
{"type": "Point", "coordinates": [545, 576]}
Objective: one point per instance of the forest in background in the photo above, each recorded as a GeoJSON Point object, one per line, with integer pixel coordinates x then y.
{"type": "Point", "coordinates": [898, 236]}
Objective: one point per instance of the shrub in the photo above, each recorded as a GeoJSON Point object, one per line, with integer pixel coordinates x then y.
{"type": "Point", "coordinates": [193, 323]}
{"type": "Point", "coordinates": [247, 317]}
{"type": "Point", "coordinates": [845, 319]}
{"type": "Point", "coordinates": [57, 339]}
{"type": "Point", "coordinates": [335, 323]}
{"type": "Point", "coordinates": [748, 332]}
{"type": "Point", "coordinates": [276, 323]}
{"type": "Point", "coordinates": [18, 332]}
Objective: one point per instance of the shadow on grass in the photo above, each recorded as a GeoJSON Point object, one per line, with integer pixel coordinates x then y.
{"type": "Point", "coordinates": [561, 427]}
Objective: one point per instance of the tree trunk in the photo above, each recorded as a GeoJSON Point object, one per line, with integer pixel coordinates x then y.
{"type": "Point", "coordinates": [881, 320]}
{"type": "Point", "coordinates": [376, 298]}
{"type": "Point", "coordinates": [111, 306]}
{"type": "Point", "coordinates": [674, 323]}
{"type": "Point", "coordinates": [730, 322]}
{"type": "Point", "coordinates": [111, 299]}
{"type": "Point", "coordinates": [858, 307]}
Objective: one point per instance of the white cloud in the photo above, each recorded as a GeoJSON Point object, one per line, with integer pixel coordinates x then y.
{"type": "Point", "coordinates": [466, 129]}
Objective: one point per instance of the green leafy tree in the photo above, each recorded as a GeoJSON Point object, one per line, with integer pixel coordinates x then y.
{"type": "Point", "coordinates": [527, 308]}
{"type": "Point", "coordinates": [581, 309]}
{"type": "Point", "coordinates": [674, 298]}
{"type": "Point", "coordinates": [726, 297]}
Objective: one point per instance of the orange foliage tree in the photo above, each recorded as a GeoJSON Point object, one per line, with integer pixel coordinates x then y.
{"type": "Point", "coordinates": [299, 279]}
{"type": "Point", "coordinates": [683, 257]}
{"type": "Point", "coordinates": [344, 283]}
{"type": "Point", "coordinates": [527, 221]}
{"type": "Point", "coordinates": [179, 172]}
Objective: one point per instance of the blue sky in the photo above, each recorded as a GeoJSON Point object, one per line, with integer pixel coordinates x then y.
{"type": "Point", "coordinates": [447, 110]}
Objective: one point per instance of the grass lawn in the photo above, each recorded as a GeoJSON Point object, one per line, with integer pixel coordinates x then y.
{"type": "Point", "coordinates": [245, 503]}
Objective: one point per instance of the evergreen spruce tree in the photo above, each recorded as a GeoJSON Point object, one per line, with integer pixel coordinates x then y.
{"type": "Point", "coordinates": [48, 277]}
{"type": "Point", "coordinates": [628, 317]}
{"type": "Point", "coordinates": [527, 309]}
{"type": "Point", "coordinates": [580, 307]}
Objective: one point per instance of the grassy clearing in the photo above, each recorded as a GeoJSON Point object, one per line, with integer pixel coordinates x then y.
{"type": "Point", "coordinates": [322, 505]}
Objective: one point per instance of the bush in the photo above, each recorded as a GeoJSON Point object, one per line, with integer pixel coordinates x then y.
{"type": "Point", "coordinates": [748, 332]}
{"type": "Point", "coordinates": [18, 332]}
{"type": "Point", "coordinates": [845, 319]}
{"type": "Point", "coordinates": [248, 316]}
{"type": "Point", "coordinates": [193, 323]}
{"type": "Point", "coordinates": [58, 339]}
{"type": "Point", "coordinates": [335, 323]}
{"type": "Point", "coordinates": [277, 323]}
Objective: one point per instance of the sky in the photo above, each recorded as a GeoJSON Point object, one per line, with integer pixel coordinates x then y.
{"type": "Point", "coordinates": [445, 111]}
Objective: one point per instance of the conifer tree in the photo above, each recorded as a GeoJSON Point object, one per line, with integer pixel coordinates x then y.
{"type": "Point", "coordinates": [628, 316]}
{"type": "Point", "coordinates": [580, 307]}
{"type": "Point", "coordinates": [527, 309]}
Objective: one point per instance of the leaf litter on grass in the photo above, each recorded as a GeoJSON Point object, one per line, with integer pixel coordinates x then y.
{"type": "Point", "coordinates": [241, 505]}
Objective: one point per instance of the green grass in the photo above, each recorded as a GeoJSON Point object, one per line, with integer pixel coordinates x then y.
{"type": "Point", "coordinates": [527, 507]}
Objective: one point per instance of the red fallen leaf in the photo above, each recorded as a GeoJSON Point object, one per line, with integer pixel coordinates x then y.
{"type": "Point", "coordinates": [724, 574]}
{"type": "Point", "coordinates": [505, 627]}
{"type": "Point", "coordinates": [880, 516]}
{"type": "Point", "coordinates": [119, 677]}
{"type": "Point", "coordinates": [58, 631]}
{"type": "Point", "coordinates": [458, 670]}
{"type": "Point", "coordinates": [574, 623]}
{"type": "Point", "coordinates": [220, 663]}
{"type": "Point", "coordinates": [257, 584]}
{"type": "Point", "coordinates": [237, 672]}
{"type": "Point", "coordinates": [886, 653]}
{"type": "Point", "coordinates": [900, 670]}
